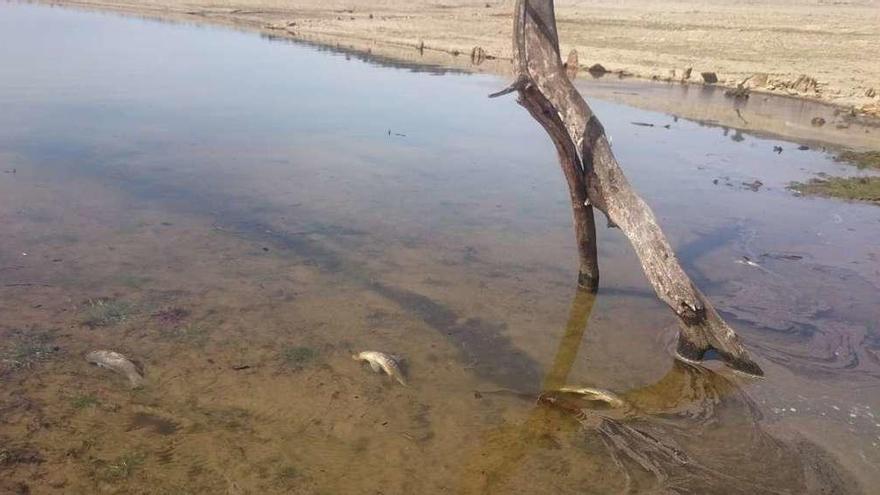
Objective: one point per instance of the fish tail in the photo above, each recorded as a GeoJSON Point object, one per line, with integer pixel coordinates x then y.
{"type": "Point", "coordinates": [136, 380]}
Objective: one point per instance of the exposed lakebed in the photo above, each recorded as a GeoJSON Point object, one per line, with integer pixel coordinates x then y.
{"type": "Point", "coordinates": [241, 216]}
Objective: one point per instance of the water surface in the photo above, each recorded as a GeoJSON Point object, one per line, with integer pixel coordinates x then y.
{"type": "Point", "coordinates": [241, 215]}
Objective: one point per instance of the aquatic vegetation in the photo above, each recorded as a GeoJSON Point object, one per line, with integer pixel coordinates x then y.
{"type": "Point", "coordinates": [171, 316]}
{"type": "Point", "coordinates": [27, 348]}
{"type": "Point", "coordinates": [298, 356]}
{"type": "Point", "coordinates": [288, 473]}
{"type": "Point", "coordinates": [106, 312]}
{"type": "Point", "coordinates": [157, 424]}
{"type": "Point", "coordinates": [231, 418]}
{"type": "Point", "coordinates": [852, 188]}
{"type": "Point", "coordinates": [133, 281]}
{"type": "Point", "coordinates": [861, 159]}
{"type": "Point", "coordinates": [84, 401]}
{"type": "Point", "coordinates": [192, 332]}
{"type": "Point", "coordinates": [9, 456]}
{"type": "Point", "coordinates": [123, 466]}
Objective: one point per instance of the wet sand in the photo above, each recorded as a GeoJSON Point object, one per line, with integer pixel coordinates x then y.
{"type": "Point", "coordinates": [831, 42]}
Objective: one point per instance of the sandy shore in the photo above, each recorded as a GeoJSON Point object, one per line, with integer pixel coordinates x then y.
{"type": "Point", "coordinates": [769, 44]}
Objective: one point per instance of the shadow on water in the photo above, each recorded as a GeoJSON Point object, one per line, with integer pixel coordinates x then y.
{"type": "Point", "coordinates": [481, 343]}
{"type": "Point", "coordinates": [693, 431]}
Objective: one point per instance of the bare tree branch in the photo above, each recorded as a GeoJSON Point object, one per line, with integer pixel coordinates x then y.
{"type": "Point", "coordinates": [596, 180]}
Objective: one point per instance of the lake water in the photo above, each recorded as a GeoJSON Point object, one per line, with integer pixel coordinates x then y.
{"type": "Point", "coordinates": [240, 215]}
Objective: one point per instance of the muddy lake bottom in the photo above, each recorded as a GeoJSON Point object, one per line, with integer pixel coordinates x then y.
{"type": "Point", "coordinates": [239, 216]}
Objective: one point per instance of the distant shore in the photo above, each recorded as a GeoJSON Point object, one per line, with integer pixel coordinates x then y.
{"type": "Point", "coordinates": [804, 48]}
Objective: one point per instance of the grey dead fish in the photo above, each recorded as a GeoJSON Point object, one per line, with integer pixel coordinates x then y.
{"type": "Point", "coordinates": [380, 362]}
{"type": "Point", "coordinates": [117, 362]}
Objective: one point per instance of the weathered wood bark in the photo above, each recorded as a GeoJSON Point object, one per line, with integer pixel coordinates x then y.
{"type": "Point", "coordinates": [588, 163]}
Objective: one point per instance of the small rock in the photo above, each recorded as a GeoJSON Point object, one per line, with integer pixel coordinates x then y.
{"type": "Point", "coordinates": [871, 92]}
{"type": "Point", "coordinates": [597, 70]}
{"type": "Point", "coordinates": [709, 77]}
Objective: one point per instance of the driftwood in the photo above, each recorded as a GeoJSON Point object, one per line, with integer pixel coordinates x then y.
{"type": "Point", "coordinates": [596, 180]}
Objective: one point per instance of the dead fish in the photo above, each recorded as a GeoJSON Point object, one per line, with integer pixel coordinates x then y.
{"type": "Point", "coordinates": [605, 396]}
{"type": "Point", "coordinates": [117, 362]}
{"type": "Point", "coordinates": [380, 362]}
{"type": "Point", "coordinates": [748, 262]}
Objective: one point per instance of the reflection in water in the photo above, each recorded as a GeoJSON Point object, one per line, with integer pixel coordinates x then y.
{"type": "Point", "coordinates": [503, 449]}
{"type": "Point", "coordinates": [693, 431]}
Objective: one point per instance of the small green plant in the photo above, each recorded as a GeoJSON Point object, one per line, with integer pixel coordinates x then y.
{"type": "Point", "coordinates": [106, 312]}
{"type": "Point", "coordinates": [191, 332]}
{"type": "Point", "coordinates": [84, 401]}
{"type": "Point", "coordinates": [852, 188]}
{"type": "Point", "coordinates": [231, 418]}
{"type": "Point", "coordinates": [28, 348]}
{"type": "Point", "coordinates": [298, 356]}
{"type": "Point", "coordinates": [288, 473]}
{"type": "Point", "coordinates": [864, 159]}
{"type": "Point", "coordinates": [123, 466]}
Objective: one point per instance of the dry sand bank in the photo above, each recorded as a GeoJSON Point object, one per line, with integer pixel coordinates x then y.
{"type": "Point", "coordinates": [833, 43]}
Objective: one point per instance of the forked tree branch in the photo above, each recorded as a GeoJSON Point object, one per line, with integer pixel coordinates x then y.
{"type": "Point", "coordinates": [596, 180]}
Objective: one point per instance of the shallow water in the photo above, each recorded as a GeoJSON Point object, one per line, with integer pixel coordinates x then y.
{"type": "Point", "coordinates": [241, 215]}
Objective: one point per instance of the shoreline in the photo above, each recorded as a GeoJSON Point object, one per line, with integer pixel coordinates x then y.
{"type": "Point", "coordinates": [798, 48]}
{"type": "Point", "coordinates": [425, 56]}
